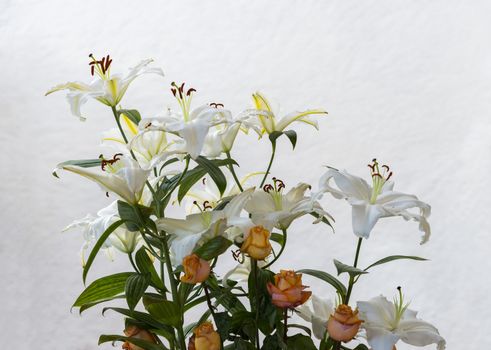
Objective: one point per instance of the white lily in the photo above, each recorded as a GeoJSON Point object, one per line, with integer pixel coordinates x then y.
{"type": "Point", "coordinates": [241, 272]}
{"type": "Point", "coordinates": [192, 126]}
{"type": "Point", "coordinates": [321, 310]}
{"type": "Point", "coordinates": [388, 322]}
{"type": "Point", "coordinates": [106, 88]}
{"type": "Point", "coordinates": [370, 203]}
{"type": "Point", "coordinates": [94, 226]}
{"type": "Point", "coordinates": [272, 205]}
{"type": "Point", "coordinates": [270, 123]}
{"type": "Point", "coordinates": [120, 175]}
{"type": "Point", "coordinates": [199, 228]}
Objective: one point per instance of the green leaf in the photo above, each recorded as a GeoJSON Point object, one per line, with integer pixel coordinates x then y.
{"type": "Point", "coordinates": [132, 114]}
{"type": "Point", "coordinates": [274, 135]}
{"type": "Point", "coordinates": [98, 246]}
{"type": "Point", "coordinates": [103, 288]}
{"type": "Point", "coordinates": [135, 286]}
{"type": "Point", "coordinates": [145, 265]}
{"type": "Point", "coordinates": [394, 257]}
{"type": "Point", "coordinates": [333, 281]}
{"type": "Point", "coordinates": [278, 238]}
{"type": "Point", "coordinates": [88, 306]}
{"type": "Point", "coordinates": [300, 342]}
{"type": "Point", "coordinates": [137, 315]}
{"type": "Point", "coordinates": [166, 312]}
{"type": "Point", "coordinates": [135, 216]}
{"type": "Point", "coordinates": [214, 171]}
{"type": "Point", "coordinates": [361, 347]}
{"type": "Point", "coordinates": [302, 327]}
{"type": "Point", "coordinates": [351, 270]}
{"type": "Point", "coordinates": [213, 248]}
{"type": "Point", "coordinates": [84, 163]}
{"type": "Point", "coordinates": [135, 341]}
{"type": "Point", "coordinates": [292, 136]}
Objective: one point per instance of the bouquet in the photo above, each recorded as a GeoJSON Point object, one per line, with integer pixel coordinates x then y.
{"type": "Point", "coordinates": [183, 159]}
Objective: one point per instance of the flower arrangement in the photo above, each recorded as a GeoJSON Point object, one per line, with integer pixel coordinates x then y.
{"type": "Point", "coordinates": [184, 156]}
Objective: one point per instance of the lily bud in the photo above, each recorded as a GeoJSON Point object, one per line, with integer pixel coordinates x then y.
{"type": "Point", "coordinates": [287, 290]}
{"type": "Point", "coordinates": [135, 332]}
{"type": "Point", "coordinates": [205, 338]}
{"type": "Point", "coordinates": [196, 270]}
{"type": "Point", "coordinates": [257, 244]}
{"type": "Point", "coordinates": [344, 324]}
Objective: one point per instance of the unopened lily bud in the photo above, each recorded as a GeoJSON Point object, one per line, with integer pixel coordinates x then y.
{"type": "Point", "coordinates": [287, 290]}
{"type": "Point", "coordinates": [343, 325]}
{"type": "Point", "coordinates": [205, 338]}
{"type": "Point", "coordinates": [138, 333]}
{"type": "Point", "coordinates": [196, 270]}
{"type": "Point", "coordinates": [257, 244]}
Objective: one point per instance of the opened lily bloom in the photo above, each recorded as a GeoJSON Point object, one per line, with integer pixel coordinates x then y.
{"type": "Point", "coordinates": [106, 87]}
{"type": "Point", "coordinates": [271, 205]}
{"type": "Point", "coordinates": [270, 123]}
{"type": "Point", "coordinates": [120, 175]}
{"type": "Point", "coordinates": [318, 316]}
{"type": "Point", "coordinates": [370, 203]}
{"type": "Point", "coordinates": [388, 322]}
{"type": "Point", "coordinates": [93, 227]}
{"type": "Point", "coordinates": [192, 126]}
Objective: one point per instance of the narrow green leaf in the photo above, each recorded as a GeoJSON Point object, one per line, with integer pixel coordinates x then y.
{"type": "Point", "coordinates": [98, 246]}
{"type": "Point", "coordinates": [361, 347]}
{"type": "Point", "coordinates": [137, 315]}
{"type": "Point", "coordinates": [135, 286]}
{"type": "Point", "coordinates": [215, 173]}
{"type": "Point", "coordinates": [88, 306]}
{"type": "Point", "coordinates": [392, 258]}
{"type": "Point", "coordinates": [132, 114]}
{"type": "Point", "coordinates": [300, 342]}
{"type": "Point", "coordinates": [292, 136]}
{"type": "Point", "coordinates": [145, 265]}
{"type": "Point", "coordinates": [278, 238]}
{"type": "Point", "coordinates": [103, 288]}
{"type": "Point", "coordinates": [213, 248]}
{"type": "Point", "coordinates": [351, 270]}
{"type": "Point", "coordinates": [133, 215]}
{"type": "Point", "coordinates": [274, 135]}
{"type": "Point", "coordinates": [191, 177]}
{"type": "Point", "coordinates": [84, 163]}
{"type": "Point", "coordinates": [144, 344]}
{"type": "Point", "coordinates": [166, 312]}
{"type": "Point", "coordinates": [333, 281]}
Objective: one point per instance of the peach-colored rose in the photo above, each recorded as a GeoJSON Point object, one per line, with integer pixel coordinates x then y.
{"type": "Point", "coordinates": [257, 244]}
{"type": "Point", "coordinates": [343, 325]}
{"type": "Point", "coordinates": [205, 338]}
{"type": "Point", "coordinates": [287, 290]}
{"type": "Point", "coordinates": [196, 270]}
{"type": "Point", "coordinates": [135, 332]}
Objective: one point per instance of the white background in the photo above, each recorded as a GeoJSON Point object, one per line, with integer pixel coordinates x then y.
{"type": "Point", "coordinates": [408, 82]}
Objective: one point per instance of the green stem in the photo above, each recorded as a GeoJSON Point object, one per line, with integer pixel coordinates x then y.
{"type": "Point", "coordinates": [280, 252]}
{"type": "Point", "coordinates": [355, 264]}
{"type": "Point", "coordinates": [175, 293]}
{"type": "Point", "coordinates": [285, 320]}
{"type": "Point", "coordinates": [178, 181]}
{"type": "Point", "coordinates": [231, 167]}
{"type": "Point", "coordinates": [256, 304]}
{"type": "Point", "coordinates": [132, 262]}
{"type": "Point", "coordinates": [273, 151]}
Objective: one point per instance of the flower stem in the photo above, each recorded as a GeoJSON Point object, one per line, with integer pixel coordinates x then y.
{"type": "Point", "coordinates": [351, 279]}
{"type": "Point", "coordinates": [273, 151]}
{"type": "Point", "coordinates": [231, 167]}
{"type": "Point", "coordinates": [256, 306]}
{"type": "Point", "coordinates": [130, 257]}
{"type": "Point", "coordinates": [285, 320]}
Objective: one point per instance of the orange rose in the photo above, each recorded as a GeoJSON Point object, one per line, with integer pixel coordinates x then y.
{"type": "Point", "coordinates": [135, 332]}
{"type": "Point", "coordinates": [287, 290]}
{"type": "Point", "coordinates": [205, 338]}
{"type": "Point", "coordinates": [257, 244]}
{"type": "Point", "coordinates": [344, 324]}
{"type": "Point", "coordinates": [196, 270]}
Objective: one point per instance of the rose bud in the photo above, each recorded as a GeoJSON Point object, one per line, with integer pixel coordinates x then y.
{"type": "Point", "coordinates": [196, 270]}
{"type": "Point", "coordinates": [205, 338]}
{"type": "Point", "coordinates": [257, 244]}
{"type": "Point", "coordinates": [287, 290]}
{"type": "Point", "coordinates": [135, 332]}
{"type": "Point", "coordinates": [344, 324]}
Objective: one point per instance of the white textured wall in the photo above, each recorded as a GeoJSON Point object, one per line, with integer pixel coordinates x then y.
{"type": "Point", "coordinates": [406, 81]}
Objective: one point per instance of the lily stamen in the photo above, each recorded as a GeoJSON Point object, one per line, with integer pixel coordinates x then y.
{"type": "Point", "coordinates": [379, 178]}
{"type": "Point", "coordinates": [183, 97]}
{"type": "Point", "coordinates": [101, 67]}
{"type": "Point", "coordinates": [110, 162]}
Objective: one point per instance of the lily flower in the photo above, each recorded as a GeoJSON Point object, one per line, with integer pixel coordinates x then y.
{"type": "Point", "coordinates": [270, 123]}
{"type": "Point", "coordinates": [106, 88]}
{"type": "Point", "coordinates": [120, 175]}
{"type": "Point", "coordinates": [94, 226]}
{"type": "Point", "coordinates": [388, 322]}
{"type": "Point", "coordinates": [321, 310]}
{"type": "Point", "coordinates": [199, 228]}
{"type": "Point", "coordinates": [192, 126]}
{"type": "Point", "coordinates": [370, 203]}
{"type": "Point", "coordinates": [272, 205]}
